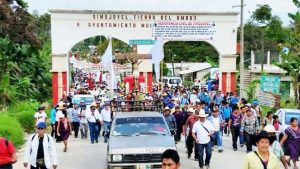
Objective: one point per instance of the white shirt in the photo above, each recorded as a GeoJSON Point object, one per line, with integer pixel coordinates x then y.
{"type": "Point", "coordinates": [59, 115]}
{"type": "Point", "coordinates": [202, 134]}
{"type": "Point", "coordinates": [193, 98]}
{"type": "Point", "coordinates": [83, 119]}
{"type": "Point", "coordinates": [253, 112]}
{"type": "Point", "coordinates": [106, 115]}
{"type": "Point", "coordinates": [41, 117]}
{"type": "Point", "coordinates": [148, 98]}
{"type": "Point", "coordinates": [216, 123]}
{"type": "Point", "coordinates": [92, 117]}
{"type": "Point", "coordinates": [49, 151]}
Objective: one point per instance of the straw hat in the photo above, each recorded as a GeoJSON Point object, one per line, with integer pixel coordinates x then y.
{"type": "Point", "coordinates": [167, 108]}
{"type": "Point", "coordinates": [191, 110]}
{"type": "Point", "coordinates": [270, 129]}
{"type": "Point", "coordinates": [61, 105]}
{"type": "Point", "coordinates": [202, 113]}
{"type": "Point", "coordinates": [93, 104]}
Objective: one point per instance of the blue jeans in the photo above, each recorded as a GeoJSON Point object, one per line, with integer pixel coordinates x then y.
{"type": "Point", "coordinates": [208, 152]}
{"type": "Point", "coordinates": [106, 130]}
{"type": "Point", "coordinates": [241, 137]}
{"type": "Point", "coordinates": [218, 139]}
{"type": "Point", "coordinates": [93, 131]}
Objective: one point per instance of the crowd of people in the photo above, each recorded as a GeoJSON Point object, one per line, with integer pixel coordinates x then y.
{"type": "Point", "coordinates": [198, 117]}
{"type": "Point", "coordinates": [204, 118]}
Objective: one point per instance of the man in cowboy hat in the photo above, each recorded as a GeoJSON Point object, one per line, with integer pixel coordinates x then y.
{"type": "Point", "coordinates": [94, 121]}
{"type": "Point", "coordinates": [202, 132]}
{"type": "Point", "coordinates": [262, 158]}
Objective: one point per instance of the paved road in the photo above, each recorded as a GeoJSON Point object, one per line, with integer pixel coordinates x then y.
{"type": "Point", "coordinates": [83, 155]}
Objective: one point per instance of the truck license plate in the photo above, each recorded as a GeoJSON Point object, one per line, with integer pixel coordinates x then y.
{"type": "Point", "coordinates": [144, 166]}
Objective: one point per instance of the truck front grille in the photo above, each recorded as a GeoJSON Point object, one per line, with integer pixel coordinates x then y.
{"type": "Point", "coordinates": [140, 158]}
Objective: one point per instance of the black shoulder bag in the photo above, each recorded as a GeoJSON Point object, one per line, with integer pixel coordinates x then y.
{"type": "Point", "coordinates": [212, 138]}
{"type": "Point", "coordinates": [263, 163]}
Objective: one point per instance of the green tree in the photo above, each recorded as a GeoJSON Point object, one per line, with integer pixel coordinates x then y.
{"type": "Point", "coordinates": [291, 53]}
{"type": "Point", "coordinates": [189, 51]}
{"type": "Point", "coordinates": [263, 32]}
{"type": "Point", "coordinates": [17, 24]}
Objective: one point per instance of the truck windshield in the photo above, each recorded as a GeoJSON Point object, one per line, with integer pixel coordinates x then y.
{"type": "Point", "coordinates": [132, 126]}
{"type": "Point", "coordinates": [87, 100]}
{"type": "Point", "coordinates": [289, 115]}
{"type": "Point", "coordinates": [174, 81]}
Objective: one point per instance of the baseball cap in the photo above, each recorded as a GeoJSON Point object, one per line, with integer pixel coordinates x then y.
{"type": "Point", "coordinates": [41, 125]}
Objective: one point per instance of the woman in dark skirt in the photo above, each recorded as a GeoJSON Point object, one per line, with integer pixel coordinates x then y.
{"type": "Point", "coordinates": [292, 138]}
{"type": "Point", "coordinates": [64, 129]}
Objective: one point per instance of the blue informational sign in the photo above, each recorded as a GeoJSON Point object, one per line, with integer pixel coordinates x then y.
{"type": "Point", "coordinates": [141, 42]}
{"type": "Point", "coordinates": [270, 84]}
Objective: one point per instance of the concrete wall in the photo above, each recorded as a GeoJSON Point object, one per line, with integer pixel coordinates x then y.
{"type": "Point", "coordinates": [201, 74]}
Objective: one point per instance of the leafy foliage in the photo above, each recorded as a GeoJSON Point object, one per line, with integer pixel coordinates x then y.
{"type": "Point", "coordinates": [23, 112]}
{"type": "Point", "coordinates": [7, 123]}
{"type": "Point", "coordinates": [26, 72]}
{"type": "Point", "coordinates": [251, 89]}
{"type": "Point", "coordinates": [17, 24]}
{"type": "Point", "coordinates": [262, 14]}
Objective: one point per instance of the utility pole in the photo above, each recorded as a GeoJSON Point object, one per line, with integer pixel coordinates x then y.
{"type": "Point", "coordinates": [262, 57]}
{"type": "Point", "coordinates": [171, 54]}
{"type": "Point", "coordinates": [242, 84]}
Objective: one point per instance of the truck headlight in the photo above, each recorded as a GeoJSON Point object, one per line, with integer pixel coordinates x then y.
{"type": "Point", "coordinates": [117, 157]}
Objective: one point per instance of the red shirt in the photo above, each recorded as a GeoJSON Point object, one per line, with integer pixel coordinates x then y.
{"type": "Point", "coordinates": [190, 122]}
{"type": "Point", "coordinates": [6, 152]}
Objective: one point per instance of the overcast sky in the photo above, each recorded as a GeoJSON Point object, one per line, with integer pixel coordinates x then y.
{"type": "Point", "coordinates": [280, 7]}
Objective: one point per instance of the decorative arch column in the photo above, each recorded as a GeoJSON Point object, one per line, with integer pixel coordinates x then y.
{"type": "Point", "coordinates": [227, 82]}
{"type": "Point", "coordinates": [59, 76]}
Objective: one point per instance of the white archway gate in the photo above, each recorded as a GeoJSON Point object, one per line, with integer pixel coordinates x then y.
{"type": "Point", "coordinates": [68, 27]}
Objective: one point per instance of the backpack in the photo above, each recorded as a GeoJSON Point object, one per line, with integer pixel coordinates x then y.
{"type": "Point", "coordinates": [33, 138]}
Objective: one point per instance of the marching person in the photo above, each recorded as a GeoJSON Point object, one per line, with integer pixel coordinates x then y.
{"type": "Point", "coordinates": [170, 159]}
{"type": "Point", "coordinates": [64, 130]}
{"type": "Point", "coordinates": [190, 142]}
{"type": "Point", "coordinates": [59, 114]}
{"type": "Point", "coordinates": [52, 120]}
{"type": "Point", "coordinates": [262, 158]}
{"type": "Point", "coordinates": [217, 120]}
{"type": "Point", "coordinates": [106, 117]}
{"type": "Point", "coordinates": [94, 121]}
{"type": "Point", "coordinates": [75, 112]}
{"type": "Point", "coordinates": [292, 139]}
{"type": "Point", "coordinates": [40, 115]}
{"type": "Point", "coordinates": [40, 152]}
{"type": "Point", "coordinates": [249, 127]}
{"type": "Point", "coordinates": [179, 121]}
{"type": "Point", "coordinates": [171, 120]}
{"type": "Point", "coordinates": [83, 123]}
{"type": "Point", "coordinates": [7, 154]}
{"type": "Point", "coordinates": [202, 132]}
{"type": "Point", "coordinates": [235, 126]}
{"type": "Point", "coordinates": [275, 147]}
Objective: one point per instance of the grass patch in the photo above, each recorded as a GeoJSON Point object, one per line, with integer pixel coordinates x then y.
{"type": "Point", "coordinates": [11, 129]}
